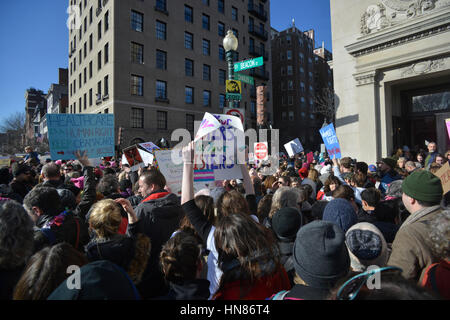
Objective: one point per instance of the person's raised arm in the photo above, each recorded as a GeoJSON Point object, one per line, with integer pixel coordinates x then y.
{"type": "Point", "coordinates": [89, 187]}
{"type": "Point", "coordinates": [187, 185]}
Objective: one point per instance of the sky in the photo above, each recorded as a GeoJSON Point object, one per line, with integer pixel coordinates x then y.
{"type": "Point", "coordinates": [34, 44]}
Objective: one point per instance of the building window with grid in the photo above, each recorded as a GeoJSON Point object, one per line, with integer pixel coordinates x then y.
{"type": "Point", "coordinates": [161, 29]}
{"type": "Point", "coordinates": [189, 40]}
{"type": "Point", "coordinates": [234, 13]}
{"type": "Point", "coordinates": [189, 67]}
{"type": "Point", "coordinates": [253, 108]}
{"type": "Point", "coordinates": [206, 98]}
{"type": "Point", "coordinates": [206, 72]}
{"type": "Point", "coordinates": [90, 42]}
{"type": "Point", "coordinates": [161, 5]}
{"type": "Point", "coordinates": [85, 101]}
{"type": "Point", "coordinates": [137, 118]}
{"type": "Point", "coordinates": [190, 119]}
{"type": "Point", "coordinates": [137, 85]}
{"type": "Point", "coordinates": [137, 21]}
{"type": "Point", "coordinates": [161, 118]}
{"type": "Point", "coordinates": [106, 53]}
{"type": "Point", "coordinates": [91, 15]}
{"type": "Point", "coordinates": [221, 53]}
{"type": "Point", "coordinates": [222, 77]}
{"type": "Point", "coordinates": [205, 2]}
{"type": "Point", "coordinates": [205, 21]}
{"type": "Point", "coordinates": [84, 75]}
{"type": "Point", "coordinates": [188, 14]}
{"type": "Point", "coordinates": [221, 29]}
{"type": "Point", "coordinates": [79, 81]}
{"type": "Point", "coordinates": [106, 85]}
{"type": "Point", "coordinates": [85, 50]}
{"type": "Point", "coordinates": [221, 6]}
{"type": "Point", "coordinates": [99, 91]}
{"type": "Point", "coordinates": [290, 100]}
{"type": "Point", "coordinates": [161, 90]}
{"type": "Point", "coordinates": [289, 70]}
{"type": "Point", "coordinates": [221, 101]}
{"type": "Point", "coordinates": [106, 21]}
{"type": "Point", "coordinates": [90, 70]}
{"type": "Point", "coordinates": [79, 105]}
{"type": "Point", "coordinates": [205, 47]}
{"type": "Point", "coordinates": [90, 97]}
{"type": "Point", "coordinates": [161, 59]}
{"type": "Point", "coordinates": [189, 95]}
{"type": "Point", "coordinates": [99, 32]}
{"type": "Point", "coordinates": [137, 53]}
{"type": "Point", "coordinates": [99, 60]}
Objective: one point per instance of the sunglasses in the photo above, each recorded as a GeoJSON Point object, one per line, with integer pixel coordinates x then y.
{"type": "Point", "coordinates": [350, 289]}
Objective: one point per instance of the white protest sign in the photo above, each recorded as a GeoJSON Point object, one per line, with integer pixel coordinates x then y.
{"type": "Point", "coordinates": [147, 157]}
{"type": "Point", "coordinates": [208, 125]}
{"type": "Point", "coordinates": [172, 172]}
{"type": "Point", "coordinates": [293, 147]}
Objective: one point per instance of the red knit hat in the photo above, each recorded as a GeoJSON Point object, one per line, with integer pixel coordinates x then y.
{"type": "Point", "coordinates": [303, 173]}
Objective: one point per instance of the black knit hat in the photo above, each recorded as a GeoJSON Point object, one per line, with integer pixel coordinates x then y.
{"type": "Point", "coordinates": [286, 222]}
{"type": "Point", "coordinates": [320, 254]}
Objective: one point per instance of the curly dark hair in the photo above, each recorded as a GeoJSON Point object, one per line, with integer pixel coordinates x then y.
{"type": "Point", "coordinates": [108, 185]}
{"type": "Point", "coordinates": [16, 235]}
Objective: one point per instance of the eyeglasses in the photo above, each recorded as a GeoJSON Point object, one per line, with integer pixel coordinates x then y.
{"type": "Point", "coordinates": [350, 289]}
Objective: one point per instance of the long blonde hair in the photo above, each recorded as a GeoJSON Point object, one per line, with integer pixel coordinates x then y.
{"type": "Point", "coordinates": [105, 218]}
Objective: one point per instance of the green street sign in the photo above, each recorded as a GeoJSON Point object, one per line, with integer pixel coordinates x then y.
{"type": "Point", "coordinates": [233, 96]}
{"type": "Point", "coordinates": [248, 64]}
{"type": "Point", "coordinates": [244, 78]}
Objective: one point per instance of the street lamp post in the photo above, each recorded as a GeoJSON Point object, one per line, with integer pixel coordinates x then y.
{"type": "Point", "coordinates": [230, 44]}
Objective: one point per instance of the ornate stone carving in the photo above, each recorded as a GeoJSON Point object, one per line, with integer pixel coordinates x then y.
{"type": "Point", "coordinates": [392, 12]}
{"type": "Point", "coordinates": [423, 67]}
{"type": "Point", "coordinates": [366, 78]}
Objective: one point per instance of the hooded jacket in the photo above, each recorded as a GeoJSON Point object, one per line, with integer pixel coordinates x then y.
{"type": "Point", "coordinates": [160, 214]}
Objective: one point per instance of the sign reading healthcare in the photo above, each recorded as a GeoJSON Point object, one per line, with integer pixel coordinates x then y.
{"type": "Point", "coordinates": [331, 141]}
{"type": "Point", "coordinates": [70, 132]}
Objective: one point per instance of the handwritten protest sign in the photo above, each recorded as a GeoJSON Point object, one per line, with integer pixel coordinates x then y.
{"type": "Point", "coordinates": [331, 141]}
{"type": "Point", "coordinates": [70, 132]}
{"type": "Point", "coordinates": [133, 158]}
{"type": "Point", "coordinates": [444, 174]}
{"type": "Point", "coordinates": [293, 147]}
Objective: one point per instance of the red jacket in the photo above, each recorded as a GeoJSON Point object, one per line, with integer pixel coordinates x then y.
{"type": "Point", "coordinates": [437, 278]}
{"type": "Point", "coordinates": [259, 290]}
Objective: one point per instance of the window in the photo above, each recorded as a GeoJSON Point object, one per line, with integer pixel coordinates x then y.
{"type": "Point", "coordinates": [302, 86]}
{"type": "Point", "coordinates": [206, 72]}
{"type": "Point", "coordinates": [160, 30]}
{"type": "Point", "coordinates": [302, 71]}
{"type": "Point", "coordinates": [137, 85]}
{"type": "Point", "coordinates": [99, 91]}
{"type": "Point", "coordinates": [205, 21]}
{"type": "Point", "coordinates": [291, 115]}
{"type": "Point", "coordinates": [289, 70]}
{"type": "Point", "coordinates": [137, 118]}
{"type": "Point", "coordinates": [190, 118]}
{"type": "Point", "coordinates": [221, 101]}
{"type": "Point", "coordinates": [161, 5]}
{"type": "Point", "coordinates": [106, 86]}
{"type": "Point", "coordinates": [99, 60]}
{"type": "Point", "coordinates": [106, 53]}
{"type": "Point", "coordinates": [85, 50]}
{"type": "Point", "coordinates": [137, 53]}
{"type": "Point", "coordinates": [91, 15]}
{"type": "Point", "coordinates": [188, 14]}
{"type": "Point", "coordinates": [137, 21]}
{"type": "Point", "coordinates": [288, 39]}
{"type": "Point", "coordinates": [85, 101]}
{"type": "Point", "coordinates": [106, 21]}
{"type": "Point", "coordinates": [205, 2]}
{"type": "Point", "coordinates": [234, 13]}
{"type": "Point", "coordinates": [161, 60]}
{"type": "Point", "coordinates": [205, 47]}
{"type": "Point", "coordinates": [189, 95]}
{"type": "Point", "coordinates": [289, 55]}
{"type": "Point", "coordinates": [283, 115]}
{"type": "Point", "coordinates": [221, 29]}
{"type": "Point", "coordinates": [290, 85]}
{"type": "Point", "coordinates": [161, 89]}
{"type": "Point", "coordinates": [74, 107]}
{"type": "Point", "coordinates": [79, 81]}
{"type": "Point", "coordinates": [84, 75]}
{"type": "Point", "coordinates": [253, 108]}
{"type": "Point", "coordinates": [188, 40]}
{"type": "Point", "coordinates": [74, 86]}
{"type": "Point", "coordinates": [290, 100]}
{"type": "Point", "coordinates": [206, 98]}
{"type": "Point", "coordinates": [221, 6]}
{"type": "Point", "coordinates": [79, 105]}
{"type": "Point", "coordinates": [99, 32]}
{"type": "Point", "coordinates": [90, 97]}
{"type": "Point", "coordinates": [222, 77]}
{"type": "Point", "coordinates": [221, 53]}
{"type": "Point", "coordinates": [90, 70]}
{"type": "Point", "coordinates": [161, 118]}
{"type": "Point", "coordinates": [189, 67]}
{"type": "Point", "coordinates": [90, 42]}
{"type": "Point", "coordinates": [85, 25]}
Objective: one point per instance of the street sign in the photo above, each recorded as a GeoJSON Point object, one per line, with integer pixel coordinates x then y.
{"type": "Point", "coordinates": [233, 90]}
{"type": "Point", "coordinates": [244, 78]}
{"type": "Point", "coordinates": [237, 112]}
{"type": "Point", "coordinates": [248, 64]}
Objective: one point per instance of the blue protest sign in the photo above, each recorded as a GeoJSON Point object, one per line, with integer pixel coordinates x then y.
{"type": "Point", "coordinates": [331, 141]}
{"type": "Point", "coordinates": [70, 132]}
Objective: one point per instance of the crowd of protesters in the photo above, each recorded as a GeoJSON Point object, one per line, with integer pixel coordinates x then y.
{"type": "Point", "coordinates": [316, 229]}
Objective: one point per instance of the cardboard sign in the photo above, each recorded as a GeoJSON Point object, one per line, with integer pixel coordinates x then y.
{"type": "Point", "coordinates": [261, 151]}
{"type": "Point", "coordinates": [331, 141]}
{"type": "Point", "coordinates": [133, 158]}
{"type": "Point", "coordinates": [70, 132]}
{"type": "Point", "coordinates": [212, 122]}
{"type": "Point", "coordinates": [293, 147]}
{"type": "Point", "coordinates": [444, 174]}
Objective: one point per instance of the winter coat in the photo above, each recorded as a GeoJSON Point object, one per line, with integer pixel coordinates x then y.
{"type": "Point", "coordinates": [302, 292]}
{"type": "Point", "coordinates": [161, 214]}
{"type": "Point", "coordinates": [411, 250]}
{"type": "Point", "coordinates": [197, 289]}
{"type": "Point", "coordinates": [129, 252]}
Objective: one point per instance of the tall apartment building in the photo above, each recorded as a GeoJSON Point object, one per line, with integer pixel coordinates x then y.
{"type": "Point", "coordinates": [34, 100]}
{"type": "Point", "coordinates": [298, 76]}
{"type": "Point", "coordinates": [159, 65]}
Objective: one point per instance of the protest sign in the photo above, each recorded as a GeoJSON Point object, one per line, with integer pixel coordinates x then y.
{"type": "Point", "coordinates": [93, 133]}
{"type": "Point", "coordinates": [133, 157]}
{"type": "Point", "coordinates": [261, 151]}
{"type": "Point", "coordinates": [149, 146]}
{"type": "Point", "coordinates": [5, 161]}
{"type": "Point", "coordinates": [447, 122]}
{"type": "Point", "coordinates": [331, 141]}
{"type": "Point", "coordinates": [293, 147]}
{"type": "Point", "coordinates": [444, 174]}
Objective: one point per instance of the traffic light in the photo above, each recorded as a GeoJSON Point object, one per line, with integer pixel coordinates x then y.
{"type": "Point", "coordinates": [120, 137]}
